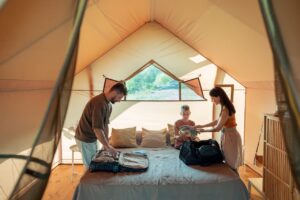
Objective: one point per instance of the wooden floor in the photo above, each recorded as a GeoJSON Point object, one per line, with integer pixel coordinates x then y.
{"type": "Point", "coordinates": [61, 186]}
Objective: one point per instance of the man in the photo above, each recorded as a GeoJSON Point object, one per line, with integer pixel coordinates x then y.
{"type": "Point", "coordinates": [93, 124]}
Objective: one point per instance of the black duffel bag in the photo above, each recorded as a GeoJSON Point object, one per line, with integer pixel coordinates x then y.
{"type": "Point", "coordinates": [205, 152]}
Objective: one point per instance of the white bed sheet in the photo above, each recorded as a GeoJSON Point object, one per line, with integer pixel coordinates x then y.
{"type": "Point", "coordinates": [167, 178]}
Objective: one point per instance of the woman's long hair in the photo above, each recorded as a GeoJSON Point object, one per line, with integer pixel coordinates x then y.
{"type": "Point", "coordinates": [224, 100]}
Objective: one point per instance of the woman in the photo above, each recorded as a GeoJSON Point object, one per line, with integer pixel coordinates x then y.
{"type": "Point", "coordinates": [184, 121]}
{"type": "Point", "coordinates": [231, 143]}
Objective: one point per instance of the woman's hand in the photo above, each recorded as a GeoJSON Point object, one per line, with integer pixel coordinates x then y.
{"type": "Point", "coordinates": [201, 130]}
{"type": "Point", "coordinates": [198, 126]}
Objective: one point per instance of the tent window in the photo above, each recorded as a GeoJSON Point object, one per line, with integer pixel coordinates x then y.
{"type": "Point", "coordinates": [152, 84]}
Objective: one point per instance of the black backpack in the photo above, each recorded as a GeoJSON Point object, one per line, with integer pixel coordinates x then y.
{"type": "Point", "coordinates": [205, 152]}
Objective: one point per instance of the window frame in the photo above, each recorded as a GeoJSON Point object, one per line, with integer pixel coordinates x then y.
{"type": "Point", "coordinates": [231, 86]}
{"type": "Point", "coordinates": [166, 72]}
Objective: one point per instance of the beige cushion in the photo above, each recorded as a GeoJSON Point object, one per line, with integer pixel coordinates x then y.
{"type": "Point", "coordinates": [154, 138]}
{"type": "Point", "coordinates": [171, 132]}
{"type": "Point", "coordinates": [123, 138]}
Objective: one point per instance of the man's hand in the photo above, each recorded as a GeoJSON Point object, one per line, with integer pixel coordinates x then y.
{"type": "Point", "coordinates": [104, 141]}
{"type": "Point", "coordinates": [111, 150]}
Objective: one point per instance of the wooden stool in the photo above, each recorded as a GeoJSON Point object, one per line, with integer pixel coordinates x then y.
{"type": "Point", "coordinates": [74, 148]}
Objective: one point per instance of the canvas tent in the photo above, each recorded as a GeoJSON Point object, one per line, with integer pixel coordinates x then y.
{"type": "Point", "coordinates": [117, 37]}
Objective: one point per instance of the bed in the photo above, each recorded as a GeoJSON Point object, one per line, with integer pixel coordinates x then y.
{"type": "Point", "coordinates": [167, 178]}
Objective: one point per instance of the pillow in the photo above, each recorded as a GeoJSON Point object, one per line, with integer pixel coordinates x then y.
{"type": "Point", "coordinates": [171, 131]}
{"type": "Point", "coordinates": [154, 138]}
{"type": "Point", "coordinates": [123, 138]}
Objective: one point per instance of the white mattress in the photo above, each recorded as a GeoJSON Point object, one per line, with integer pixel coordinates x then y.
{"type": "Point", "coordinates": [167, 178]}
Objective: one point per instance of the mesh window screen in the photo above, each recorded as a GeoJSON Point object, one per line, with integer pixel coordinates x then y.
{"type": "Point", "coordinates": [37, 62]}
{"type": "Point", "coordinates": [282, 23]}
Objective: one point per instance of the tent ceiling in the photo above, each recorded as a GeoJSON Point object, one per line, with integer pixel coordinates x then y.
{"type": "Point", "coordinates": [150, 42]}
{"type": "Point", "coordinates": [231, 33]}
{"type": "Point", "coordinates": [26, 35]}
{"type": "Point", "coordinates": [106, 23]}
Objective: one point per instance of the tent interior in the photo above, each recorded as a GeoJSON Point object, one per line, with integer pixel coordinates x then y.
{"type": "Point", "coordinates": [223, 43]}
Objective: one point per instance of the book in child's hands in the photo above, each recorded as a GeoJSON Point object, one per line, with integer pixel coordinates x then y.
{"type": "Point", "coordinates": [188, 130]}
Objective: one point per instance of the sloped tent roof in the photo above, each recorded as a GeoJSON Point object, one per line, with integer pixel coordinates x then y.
{"type": "Point", "coordinates": [220, 30]}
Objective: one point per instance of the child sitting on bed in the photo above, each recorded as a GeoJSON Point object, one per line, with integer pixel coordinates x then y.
{"type": "Point", "coordinates": [185, 121]}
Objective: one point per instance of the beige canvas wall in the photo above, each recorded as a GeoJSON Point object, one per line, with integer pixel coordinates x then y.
{"type": "Point", "coordinates": [258, 102]}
